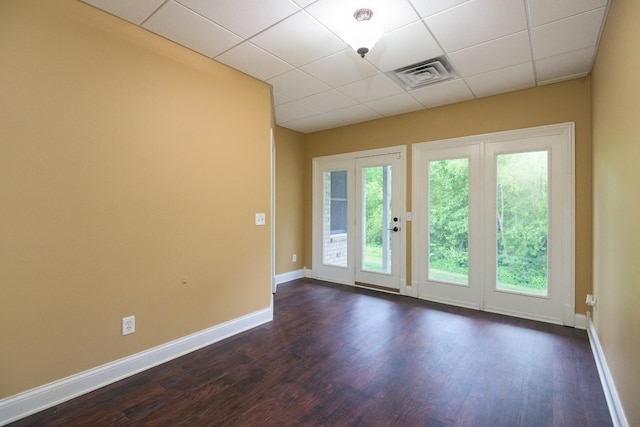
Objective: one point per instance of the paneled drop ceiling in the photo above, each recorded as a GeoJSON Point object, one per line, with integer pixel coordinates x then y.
{"type": "Point", "coordinates": [494, 46]}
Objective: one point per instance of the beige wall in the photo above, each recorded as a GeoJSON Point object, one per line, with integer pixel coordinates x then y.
{"type": "Point", "coordinates": [289, 200]}
{"type": "Point", "coordinates": [616, 180]}
{"type": "Point", "coordinates": [558, 103]}
{"type": "Point", "coordinates": [127, 164]}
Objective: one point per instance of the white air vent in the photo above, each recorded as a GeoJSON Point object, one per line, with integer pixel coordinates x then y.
{"type": "Point", "coordinates": [423, 73]}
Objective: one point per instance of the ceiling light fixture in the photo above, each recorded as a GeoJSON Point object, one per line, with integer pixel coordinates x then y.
{"type": "Point", "coordinates": [364, 34]}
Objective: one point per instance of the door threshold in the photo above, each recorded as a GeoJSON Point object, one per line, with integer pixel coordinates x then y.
{"type": "Point", "coordinates": [377, 287]}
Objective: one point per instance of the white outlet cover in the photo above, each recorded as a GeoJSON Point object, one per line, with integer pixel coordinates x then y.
{"type": "Point", "coordinates": [128, 325]}
{"type": "Point", "coordinates": [260, 219]}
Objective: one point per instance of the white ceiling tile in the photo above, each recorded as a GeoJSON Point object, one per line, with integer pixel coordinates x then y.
{"type": "Point", "coordinates": [280, 99]}
{"type": "Point", "coordinates": [431, 7]}
{"type": "Point", "coordinates": [376, 87]}
{"type": "Point", "coordinates": [544, 11]}
{"type": "Point", "coordinates": [295, 85]}
{"type": "Point", "coordinates": [252, 60]}
{"type": "Point", "coordinates": [341, 68]}
{"type": "Point", "coordinates": [492, 55]}
{"type": "Point", "coordinates": [315, 123]}
{"type": "Point", "coordinates": [337, 15]}
{"type": "Point", "coordinates": [563, 78]}
{"type": "Point", "coordinates": [398, 13]}
{"type": "Point", "coordinates": [191, 30]}
{"type": "Point", "coordinates": [391, 51]}
{"type": "Point", "coordinates": [303, 3]}
{"type": "Point", "coordinates": [356, 114]}
{"type": "Point", "coordinates": [565, 66]}
{"type": "Point", "coordinates": [299, 40]}
{"type": "Point", "coordinates": [501, 81]}
{"type": "Point", "coordinates": [244, 17]}
{"type": "Point", "coordinates": [396, 104]}
{"type": "Point", "coordinates": [477, 21]}
{"type": "Point", "coordinates": [132, 11]}
{"type": "Point", "coordinates": [330, 100]}
{"type": "Point", "coordinates": [444, 93]}
{"type": "Point", "coordinates": [566, 35]}
{"type": "Point", "coordinates": [294, 110]}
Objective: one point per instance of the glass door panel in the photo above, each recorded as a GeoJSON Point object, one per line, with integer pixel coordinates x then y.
{"type": "Point", "coordinates": [522, 222]}
{"type": "Point", "coordinates": [334, 220]}
{"type": "Point", "coordinates": [376, 219]}
{"type": "Point", "coordinates": [449, 221]}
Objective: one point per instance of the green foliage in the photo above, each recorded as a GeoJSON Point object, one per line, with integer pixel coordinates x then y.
{"type": "Point", "coordinates": [522, 219]}
{"type": "Point", "coordinates": [373, 204]}
{"type": "Point", "coordinates": [449, 215]}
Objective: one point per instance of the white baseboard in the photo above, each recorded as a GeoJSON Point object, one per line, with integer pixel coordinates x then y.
{"type": "Point", "coordinates": [309, 273]}
{"type": "Point", "coordinates": [21, 405]}
{"type": "Point", "coordinates": [289, 276]}
{"type": "Point", "coordinates": [450, 302]}
{"type": "Point", "coordinates": [610, 393]}
{"type": "Point", "coordinates": [580, 322]}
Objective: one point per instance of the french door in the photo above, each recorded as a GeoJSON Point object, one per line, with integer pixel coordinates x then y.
{"type": "Point", "coordinates": [447, 217]}
{"type": "Point", "coordinates": [378, 225]}
{"type": "Point", "coordinates": [358, 212]}
{"type": "Point", "coordinates": [493, 222]}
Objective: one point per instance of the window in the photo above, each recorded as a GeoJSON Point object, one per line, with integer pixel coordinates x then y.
{"type": "Point", "coordinates": [338, 202]}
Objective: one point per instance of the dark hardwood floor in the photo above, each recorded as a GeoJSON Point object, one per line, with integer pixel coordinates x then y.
{"type": "Point", "coordinates": [341, 356]}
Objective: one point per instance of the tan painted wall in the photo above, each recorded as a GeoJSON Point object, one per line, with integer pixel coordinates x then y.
{"type": "Point", "coordinates": [558, 103]}
{"type": "Point", "coordinates": [616, 180]}
{"type": "Point", "coordinates": [127, 164]}
{"type": "Point", "coordinates": [289, 200]}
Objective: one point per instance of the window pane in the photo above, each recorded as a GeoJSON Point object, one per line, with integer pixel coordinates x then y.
{"type": "Point", "coordinates": [334, 221]}
{"type": "Point", "coordinates": [522, 222]}
{"type": "Point", "coordinates": [338, 202]}
{"type": "Point", "coordinates": [376, 221]}
{"type": "Point", "coordinates": [449, 221]}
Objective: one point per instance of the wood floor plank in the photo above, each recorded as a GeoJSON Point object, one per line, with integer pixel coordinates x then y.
{"type": "Point", "coordinates": [343, 356]}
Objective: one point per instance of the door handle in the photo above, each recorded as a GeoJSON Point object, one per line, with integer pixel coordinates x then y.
{"type": "Point", "coordinates": [394, 229]}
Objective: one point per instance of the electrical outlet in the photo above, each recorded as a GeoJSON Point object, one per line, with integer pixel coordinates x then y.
{"type": "Point", "coordinates": [128, 325]}
{"type": "Point", "coordinates": [294, 258]}
{"type": "Point", "coordinates": [260, 219]}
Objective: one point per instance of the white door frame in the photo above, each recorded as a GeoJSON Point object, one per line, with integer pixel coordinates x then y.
{"type": "Point", "coordinates": [272, 223]}
{"type": "Point", "coordinates": [347, 275]}
{"type": "Point", "coordinates": [563, 131]}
